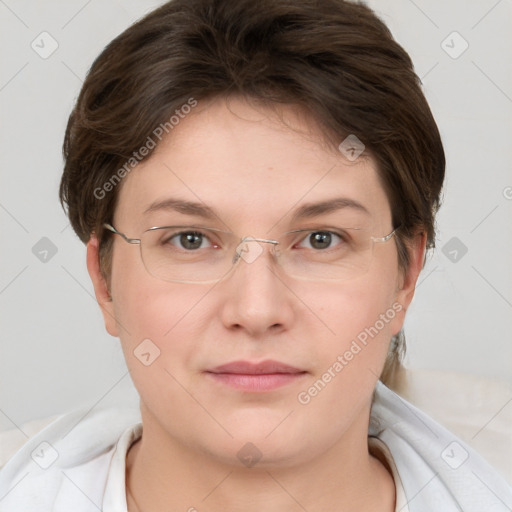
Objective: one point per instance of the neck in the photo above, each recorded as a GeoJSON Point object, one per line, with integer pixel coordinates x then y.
{"type": "Point", "coordinates": [163, 474]}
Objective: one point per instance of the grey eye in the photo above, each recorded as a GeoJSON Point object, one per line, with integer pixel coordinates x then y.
{"type": "Point", "coordinates": [320, 240]}
{"type": "Point", "coordinates": [188, 240]}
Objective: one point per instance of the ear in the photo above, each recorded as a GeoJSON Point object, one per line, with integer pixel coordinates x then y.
{"type": "Point", "coordinates": [100, 286]}
{"type": "Point", "coordinates": [407, 285]}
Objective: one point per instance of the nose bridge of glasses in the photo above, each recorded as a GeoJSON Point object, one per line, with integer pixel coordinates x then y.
{"type": "Point", "coordinates": [250, 252]}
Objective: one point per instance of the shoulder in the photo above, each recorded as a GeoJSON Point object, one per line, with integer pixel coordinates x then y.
{"type": "Point", "coordinates": [438, 470]}
{"type": "Point", "coordinates": [66, 462]}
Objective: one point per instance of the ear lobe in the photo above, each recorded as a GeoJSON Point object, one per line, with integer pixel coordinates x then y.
{"type": "Point", "coordinates": [100, 286]}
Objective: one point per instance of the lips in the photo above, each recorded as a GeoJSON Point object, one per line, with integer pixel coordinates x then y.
{"type": "Point", "coordinates": [247, 377]}
{"type": "Point", "coordinates": [248, 368]}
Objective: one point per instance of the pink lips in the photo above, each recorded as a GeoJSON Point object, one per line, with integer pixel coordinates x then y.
{"type": "Point", "coordinates": [256, 377]}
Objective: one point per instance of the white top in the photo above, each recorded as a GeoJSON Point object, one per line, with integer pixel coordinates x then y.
{"type": "Point", "coordinates": [77, 463]}
{"type": "Point", "coordinates": [379, 450]}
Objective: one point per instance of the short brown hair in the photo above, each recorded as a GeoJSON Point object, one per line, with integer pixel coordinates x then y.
{"type": "Point", "coordinates": [335, 59]}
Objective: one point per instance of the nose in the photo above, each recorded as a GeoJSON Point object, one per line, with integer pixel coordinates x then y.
{"type": "Point", "coordinates": [256, 296]}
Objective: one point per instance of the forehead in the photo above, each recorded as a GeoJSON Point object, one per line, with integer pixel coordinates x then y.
{"type": "Point", "coordinates": [251, 165]}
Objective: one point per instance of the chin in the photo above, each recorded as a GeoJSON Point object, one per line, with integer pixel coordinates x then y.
{"type": "Point", "coordinates": [264, 445]}
{"type": "Point", "coordinates": [260, 454]}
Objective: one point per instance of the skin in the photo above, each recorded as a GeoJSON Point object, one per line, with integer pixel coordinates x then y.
{"type": "Point", "coordinates": [254, 171]}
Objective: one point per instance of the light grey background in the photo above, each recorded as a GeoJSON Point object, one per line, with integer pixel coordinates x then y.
{"type": "Point", "coordinates": [55, 354]}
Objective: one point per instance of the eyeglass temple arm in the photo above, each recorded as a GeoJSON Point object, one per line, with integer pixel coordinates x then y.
{"type": "Point", "coordinates": [385, 238]}
{"type": "Point", "coordinates": [114, 230]}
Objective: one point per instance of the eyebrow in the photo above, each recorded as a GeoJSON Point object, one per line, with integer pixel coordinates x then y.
{"type": "Point", "coordinates": [305, 211]}
{"type": "Point", "coordinates": [330, 205]}
{"type": "Point", "coordinates": [181, 206]}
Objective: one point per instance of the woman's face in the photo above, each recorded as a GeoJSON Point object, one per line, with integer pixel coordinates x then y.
{"type": "Point", "coordinates": [254, 173]}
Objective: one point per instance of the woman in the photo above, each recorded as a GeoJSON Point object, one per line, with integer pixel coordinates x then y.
{"type": "Point", "coordinates": [256, 183]}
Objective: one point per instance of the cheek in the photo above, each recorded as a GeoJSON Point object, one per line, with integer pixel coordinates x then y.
{"type": "Point", "coordinates": [358, 305]}
{"type": "Point", "coordinates": [154, 316]}
{"type": "Point", "coordinates": [360, 317]}
{"type": "Point", "coordinates": [164, 323]}
{"type": "Point", "coordinates": [351, 356]}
